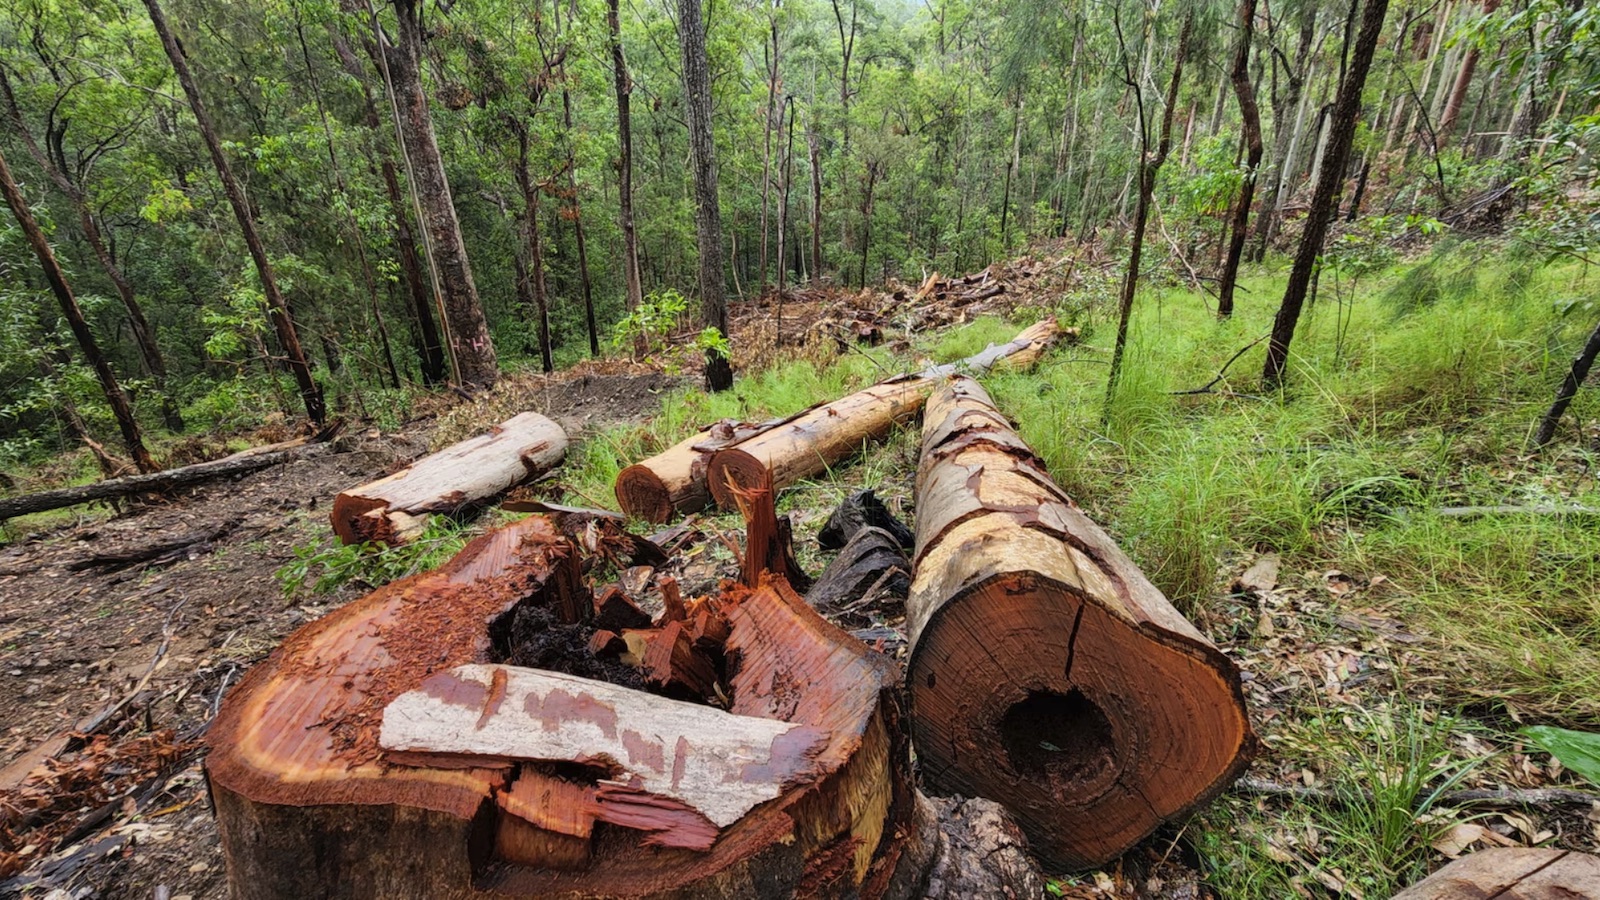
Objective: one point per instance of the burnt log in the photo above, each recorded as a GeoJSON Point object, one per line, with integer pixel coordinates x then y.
{"type": "Point", "coordinates": [871, 564]}
{"type": "Point", "coordinates": [862, 509]}
{"type": "Point", "coordinates": [1046, 672]}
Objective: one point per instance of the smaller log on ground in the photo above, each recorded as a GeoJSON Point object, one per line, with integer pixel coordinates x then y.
{"type": "Point", "coordinates": [1512, 873]}
{"type": "Point", "coordinates": [807, 444]}
{"type": "Point", "coordinates": [674, 480]}
{"type": "Point", "coordinates": [1046, 672]}
{"type": "Point", "coordinates": [394, 510]}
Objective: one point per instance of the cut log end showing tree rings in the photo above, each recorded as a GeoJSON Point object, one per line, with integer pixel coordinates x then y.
{"type": "Point", "coordinates": [1046, 672]}
{"type": "Point", "coordinates": [386, 751]}
{"type": "Point", "coordinates": [395, 509]}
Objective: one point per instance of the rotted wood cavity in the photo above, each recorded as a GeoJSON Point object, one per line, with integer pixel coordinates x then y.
{"type": "Point", "coordinates": [1046, 672]}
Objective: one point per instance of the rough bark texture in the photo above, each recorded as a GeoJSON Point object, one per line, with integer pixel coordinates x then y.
{"type": "Point", "coordinates": [120, 407]}
{"type": "Point", "coordinates": [277, 307]}
{"type": "Point", "coordinates": [1325, 202]}
{"type": "Point", "coordinates": [467, 330]}
{"type": "Point", "coordinates": [1251, 116]}
{"type": "Point", "coordinates": [1046, 673]}
{"type": "Point", "coordinates": [703, 165]}
{"type": "Point", "coordinates": [310, 803]}
{"type": "Point", "coordinates": [1511, 873]}
{"type": "Point", "coordinates": [979, 852]}
{"type": "Point", "coordinates": [806, 444]}
{"type": "Point", "coordinates": [395, 509]}
{"type": "Point", "coordinates": [872, 563]}
{"type": "Point", "coordinates": [624, 84]}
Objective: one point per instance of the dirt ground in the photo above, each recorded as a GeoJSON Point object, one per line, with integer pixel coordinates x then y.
{"type": "Point", "coordinates": [162, 643]}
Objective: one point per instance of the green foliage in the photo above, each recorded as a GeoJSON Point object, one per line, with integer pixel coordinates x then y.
{"type": "Point", "coordinates": [652, 322]}
{"type": "Point", "coordinates": [1577, 750]}
{"type": "Point", "coordinates": [322, 570]}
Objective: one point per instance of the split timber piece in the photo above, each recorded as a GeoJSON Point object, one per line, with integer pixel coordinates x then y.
{"type": "Point", "coordinates": [807, 444]}
{"type": "Point", "coordinates": [1046, 672]}
{"type": "Point", "coordinates": [309, 803]}
{"type": "Point", "coordinates": [395, 509]}
{"type": "Point", "coordinates": [1512, 873]}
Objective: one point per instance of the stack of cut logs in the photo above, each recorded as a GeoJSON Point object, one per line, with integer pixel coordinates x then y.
{"type": "Point", "coordinates": [515, 724]}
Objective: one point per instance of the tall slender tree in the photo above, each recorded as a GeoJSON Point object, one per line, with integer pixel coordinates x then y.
{"type": "Point", "coordinates": [115, 396]}
{"type": "Point", "coordinates": [624, 89]}
{"type": "Point", "coordinates": [707, 208]}
{"type": "Point", "coordinates": [1325, 201]}
{"type": "Point", "coordinates": [277, 306]}
{"type": "Point", "coordinates": [1251, 119]}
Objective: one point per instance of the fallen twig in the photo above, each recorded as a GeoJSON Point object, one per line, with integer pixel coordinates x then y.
{"type": "Point", "coordinates": [1222, 373]}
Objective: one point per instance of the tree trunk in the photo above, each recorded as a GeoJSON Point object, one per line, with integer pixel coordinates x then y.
{"type": "Point", "coordinates": [576, 212]}
{"type": "Point", "coordinates": [316, 797]}
{"type": "Point", "coordinates": [812, 143]}
{"type": "Point", "coordinates": [1012, 165]}
{"type": "Point", "coordinates": [786, 180]}
{"type": "Point", "coordinates": [277, 307]}
{"type": "Point", "coordinates": [675, 480]}
{"type": "Point", "coordinates": [1046, 672]}
{"type": "Point", "coordinates": [1569, 388]}
{"type": "Point", "coordinates": [144, 334]}
{"type": "Point", "coordinates": [471, 347]}
{"type": "Point", "coordinates": [394, 510]}
{"type": "Point", "coordinates": [1325, 202]}
{"type": "Point", "coordinates": [1463, 82]}
{"type": "Point", "coordinates": [708, 210]}
{"type": "Point", "coordinates": [772, 52]}
{"type": "Point", "coordinates": [1149, 167]}
{"type": "Point", "coordinates": [120, 407]}
{"type": "Point", "coordinates": [1251, 117]}
{"type": "Point", "coordinates": [624, 85]}
{"type": "Point", "coordinates": [1285, 140]}
{"type": "Point", "coordinates": [531, 239]}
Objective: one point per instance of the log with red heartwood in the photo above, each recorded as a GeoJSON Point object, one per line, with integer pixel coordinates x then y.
{"type": "Point", "coordinates": [805, 445]}
{"type": "Point", "coordinates": [1046, 672]}
{"type": "Point", "coordinates": [395, 509]}
{"type": "Point", "coordinates": [382, 751]}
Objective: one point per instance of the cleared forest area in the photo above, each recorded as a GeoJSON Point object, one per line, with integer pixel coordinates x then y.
{"type": "Point", "coordinates": [859, 449]}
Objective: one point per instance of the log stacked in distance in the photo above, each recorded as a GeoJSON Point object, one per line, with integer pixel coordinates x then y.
{"type": "Point", "coordinates": [1046, 672]}
{"type": "Point", "coordinates": [395, 509]}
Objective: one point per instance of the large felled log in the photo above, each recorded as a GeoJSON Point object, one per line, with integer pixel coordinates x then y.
{"type": "Point", "coordinates": [499, 781]}
{"type": "Point", "coordinates": [395, 509]}
{"type": "Point", "coordinates": [1046, 672]}
{"type": "Point", "coordinates": [807, 444]}
{"type": "Point", "coordinates": [1512, 873]}
{"type": "Point", "coordinates": [674, 480]}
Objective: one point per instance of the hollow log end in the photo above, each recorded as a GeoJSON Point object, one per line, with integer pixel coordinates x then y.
{"type": "Point", "coordinates": [1091, 730]}
{"type": "Point", "coordinates": [643, 495]}
{"type": "Point", "coordinates": [729, 469]}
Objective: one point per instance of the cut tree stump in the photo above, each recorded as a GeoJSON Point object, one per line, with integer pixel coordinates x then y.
{"type": "Point", "coordinates": [1512, 873]}
{"type": "Point", "coordinates": [1046, 673]}
{"type": "Point", "coordinates": [382, 752]}
{"type": "Point", "coordinates": [395, 509]}
{"type": "Point", "coordinates": [807, 444]}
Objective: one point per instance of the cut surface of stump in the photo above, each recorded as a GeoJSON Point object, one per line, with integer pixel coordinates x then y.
{"type": "Point", "coordinates": [1046, 672]}
{"type": "Point", "coordinates": [395, 509]}
{"type": "Point", "coordinates": [382, 752]}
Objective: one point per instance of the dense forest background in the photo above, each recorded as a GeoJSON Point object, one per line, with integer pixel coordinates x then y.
{"type": "Point", "coordinates": [306, 251]}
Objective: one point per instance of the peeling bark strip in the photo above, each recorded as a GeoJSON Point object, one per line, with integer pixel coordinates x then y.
{"type": "Point", "coordinates": [686, 477]}
{"type": "Point", "coordinates": [1046, 672]}
{"type": "Point", "coordinates": [718, 765]}
{"type": "Point", "coordinates": [395, 509]}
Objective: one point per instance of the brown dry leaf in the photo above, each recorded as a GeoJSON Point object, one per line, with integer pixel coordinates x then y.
{"type": "Point", "coordinates": [1338, 583]}
{"type": "Point", "coordinates": [1265, 629]}
{"type": "Point", "coordinates": [1521, 823]}
{"type": "Point", "coordinates": [1262, 576]}
{"type": "Point", "coordinates": [1458, 838]}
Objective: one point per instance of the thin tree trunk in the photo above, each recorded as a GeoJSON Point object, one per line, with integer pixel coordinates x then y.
{"type": "Point", "coordinates": [766, 139]}
{"type": "Point", "coordinates": [1326, 199]}
{"type": "Point", "coordinates": [786, 181]}
{"type": "Point", "coordinates": [577, 222]}
{"type": "Point", "coordinates": [1569, 388]}
{"type": "Point", "coordinates": [1283, 139]}
{"type": "Point", "coordinates": [703, 165]}
{"type": "Point", "coordinates": [1149, 168]}
{"type": "Point", "coordinates": [120, 407]}
{"type": "Point", "coordinates": [530, 224]}
{"type": "Point", "coordinates": [624, 86]}
{"type": "Point", "coordinates": [144, 334]}
{"type": "Point", "coordinates": [471, 347]}
{"type": "Point", "coordinates": [277, 307]}
{"type": "Point", "coordinates": [1251, 117]}
{"type": "Point", "coordinates": [1012, 166]}
{"type": "Point", "coordinates": [1458, 90]}
{"type": "Point", "coordinates": [816, 196]}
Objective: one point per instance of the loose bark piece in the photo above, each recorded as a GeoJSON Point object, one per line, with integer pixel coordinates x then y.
{"type": "Point", "coordinates": [394, 510]}
{"type": "Point", "coordinates": [1511, 873]}
{"type": "Point", "coordinates": [862, 509]}
{"type": "Point", "coordinates": [153, 482]}
{"type": "Point", "coordinates": [769, 540]}
{"type": "Point", "coordinates": [1046, 672]}
{"type": "Point", "coordinates": [718, 764]}
{"type": "Point", "coordinates": [872, 559]}
{"type": "Point", "coordinates": [615, 611]}
{"type": "Point", "coordinates": [807, 444]}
